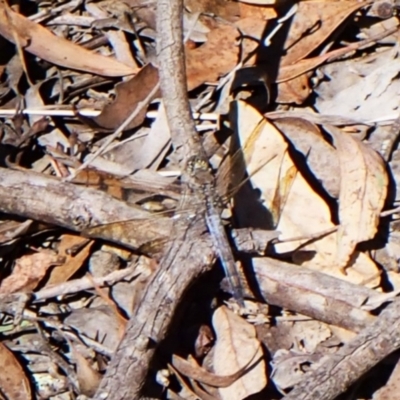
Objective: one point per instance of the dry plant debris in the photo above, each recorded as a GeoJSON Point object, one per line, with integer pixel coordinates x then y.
{"type": "Point", "coordinates": [297, 105]}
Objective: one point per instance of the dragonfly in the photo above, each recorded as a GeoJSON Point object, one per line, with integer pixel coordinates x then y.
{"type": "Point", "coordinates": [198, 168]}
{"type": "Point", "coordinates": [204, 192]}
{"type": "Point", "coordinates": [139, 234]}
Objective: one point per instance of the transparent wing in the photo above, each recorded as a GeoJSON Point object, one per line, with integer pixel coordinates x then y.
{"type": "Point", "coordinates": [146, 235]}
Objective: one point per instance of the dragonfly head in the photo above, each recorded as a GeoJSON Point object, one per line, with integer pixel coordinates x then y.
{"type": "Point", "coordinates": [199, 170]}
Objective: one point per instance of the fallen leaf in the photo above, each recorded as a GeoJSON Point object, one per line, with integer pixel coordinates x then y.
{"type": "Point", "coordinates": [73, 261]}
{"type": "Point", "coordinates": [216, 57]}
{"type": "Point", "coordinates": [301, 212]}
{"type": "Point", "coordinates": [39, 41]}
{"type": "Point", "coordinates": [14, 384]}
{"type": "Point", "coordinates": [360, 89]}
{"type": "Point", "coordinates": [321, 156]}
{"type": "Point", "coordinates": [194, 371]}
{"type": "Point", "coordinates": [363, 190]}
{"type": "Point", "coordinates": [193, 388]}
{"type": "Point", "coordinates": [237, 343]}
{"type": "Point", "coordinates": [313, 22]}
{"type": "Point", "coordinates": [252, 9]}
{"type": "Point", "coordinates": [128, 95]}
{"type": "Point", "coordinates": [88, 378]}
{"type": "Point", "coordinates": [29, 270]}
{"type": "Point", "coordinates": [295, 90]}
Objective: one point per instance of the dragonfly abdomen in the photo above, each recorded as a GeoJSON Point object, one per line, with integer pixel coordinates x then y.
{"type": "Point", "coordinates": [222, 246]}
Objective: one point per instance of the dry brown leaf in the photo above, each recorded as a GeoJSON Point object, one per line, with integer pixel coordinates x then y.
{"type": "Point", "coordinates": [321, 157]}
{"type": "Point", "coordinates": [218, 56]}
{"type": "Point", "coordinates": [128, 95]}
{"type": "Point", "coordinates": [301, 212]}
{"type": "Point", "coordinates": [29, 271]}
{"type": "Point", "coordinates": [252, 9]}
{"type": "Point", "coordinates": [14, 385]}
{"type": "Point", "coordinates": [258, 2]}
{"type": "Point", "coordinates": [39, 41]}
{"type": "Point", "coordinates": [253, 30]}
{"type": "Point", "coordinates": [236, 344]}
{"type": "Point", "coordinates": [294, 91]}
{"type": "Point", "coordinates": [292, 71]}
{"type": "Point", "coordinates": [228, 10]}
{"type": "Point", "coordinates": [204, 341]}
{"type": "Point", "coordinates": [293, 86]}
{"type": "Point", "coordinates": [73, 261]}
{"type": "Point", "coordinates": [313, 22]}
{"type": "Point", "coordinates": [192, 370]}
{"type": "Point", "coordinates": [89, 379]}
{"type": "Point", "coordinates": [363, 190]}
{"type": "Point", "coordinates": [193, 388]}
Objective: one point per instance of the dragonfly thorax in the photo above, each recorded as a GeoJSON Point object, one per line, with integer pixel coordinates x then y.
{"type": "Point", "coordinates": [200, 172]}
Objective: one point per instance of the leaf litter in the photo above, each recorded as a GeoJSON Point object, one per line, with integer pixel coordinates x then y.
{"type": "Point", "coordinates": [318, 164]}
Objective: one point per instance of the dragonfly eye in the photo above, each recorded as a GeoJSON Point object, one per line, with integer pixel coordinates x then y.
{"type": "Point", "coordinates": [196, 164]}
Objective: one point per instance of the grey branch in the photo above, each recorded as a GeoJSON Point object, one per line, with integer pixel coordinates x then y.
{"type": "Point", "coordinates": [355, 358]}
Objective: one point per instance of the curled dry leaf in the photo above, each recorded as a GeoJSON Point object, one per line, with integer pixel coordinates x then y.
{"type": "Point", "coordinates": [192, 370]}
{"type": "Point", "coordinates": [13, 381]}
{"type": "Point", "coordinates": [29, 271]}
{"type": "Point", "coordinates": [89, 379]}
{"type": "Point", "coordinates": [290, 201]}
{"type": "Point", "coordinates": [279, 180]}
{"type": "Point", "coordinates": [39, 41]}
{"type": "Point", "coordinates": [363, 189]}
{"type": "Point", "coordinates": [204, 341]}
{"type": "Point", "coordinates": [191, 387]}
{"type": "Point", "coordinates": [236, 344]}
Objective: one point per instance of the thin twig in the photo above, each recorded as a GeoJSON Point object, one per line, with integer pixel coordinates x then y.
{"type": "Point", "coordinates": [148, 325]}
{"type": "Point", "coordinates": [67, 111]}
{"type": "Point", "coordinates": [77, 285]}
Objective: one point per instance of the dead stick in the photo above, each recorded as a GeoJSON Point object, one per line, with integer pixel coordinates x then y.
{"type": "Point", "coordinates": [354, 359]}
{"type": "Point", "coordinates": [173, 82]}
{"type": "Point", "coordinates": [149, 323]}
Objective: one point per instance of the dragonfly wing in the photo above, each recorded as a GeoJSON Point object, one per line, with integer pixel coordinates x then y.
{"type": "Point", "coordinates": [233, 169]}
{"type": "Point", "coordinates": [136, 234]}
